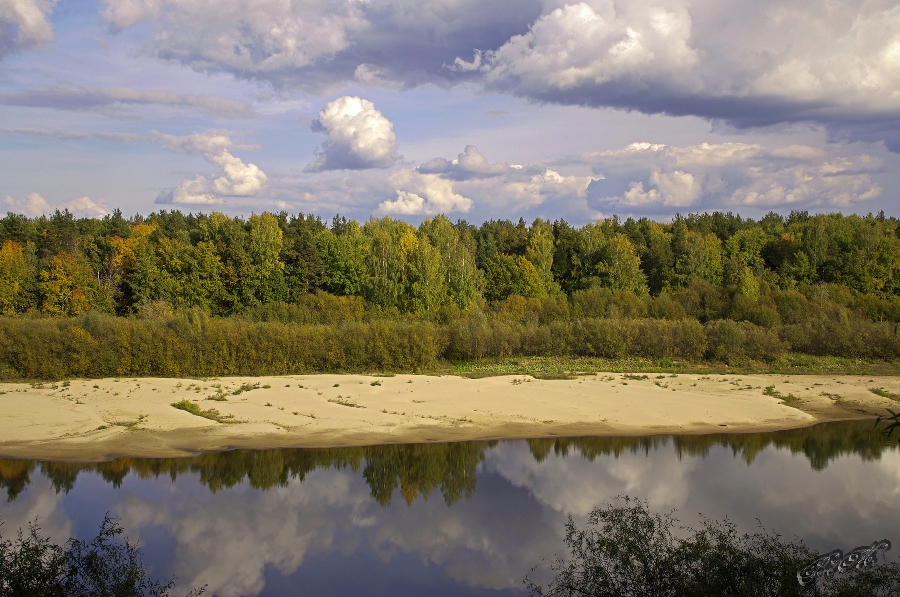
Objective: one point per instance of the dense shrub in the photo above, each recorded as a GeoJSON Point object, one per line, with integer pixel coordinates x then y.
{"type": "Point", "coordinates": [737, 341]}
{"type": "Point", "coordinates": [327, 333]}
{"type": "Point", "coordinates": [195, 345]}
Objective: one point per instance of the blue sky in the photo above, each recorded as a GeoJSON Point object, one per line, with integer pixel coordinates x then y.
{"type": "Point", "coordinates": [476, 109]}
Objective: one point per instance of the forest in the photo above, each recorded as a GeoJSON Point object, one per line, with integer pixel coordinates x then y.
{"type": "Point", "coordinates": [208, 294]}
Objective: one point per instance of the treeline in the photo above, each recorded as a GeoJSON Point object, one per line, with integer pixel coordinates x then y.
{"type": "Point", "coordinates": [60, 265]}
{"type": "Point", "coordinates": [185, 294]}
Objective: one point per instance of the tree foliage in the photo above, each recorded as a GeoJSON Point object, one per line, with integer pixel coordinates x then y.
{"type": "Point", "coordinates": [105, 566]}
{"type": "Point", "coordinates": [716, 286]}
{"type": "Point", "coordinates": [625, 550]}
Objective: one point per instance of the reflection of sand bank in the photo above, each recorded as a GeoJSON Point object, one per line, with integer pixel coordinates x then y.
{"type": "Point", "coordinates": [96, 419]}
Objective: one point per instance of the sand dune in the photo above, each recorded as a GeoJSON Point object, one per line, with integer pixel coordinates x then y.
{"type": "Point", "coordinates": [99, 419]}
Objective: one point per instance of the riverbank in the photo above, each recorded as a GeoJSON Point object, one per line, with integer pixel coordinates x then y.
{"type": "Point", "coordinates": [90, 420]}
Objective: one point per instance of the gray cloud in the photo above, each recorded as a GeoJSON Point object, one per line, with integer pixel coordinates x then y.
{"type": "Point", "coordinates": [746, 63]}
{"type": "Point", "coordinates": [469, 164]}
{"type": "Point", "coordinates": [96, 98]}
{"type": "Point", "coordinates": [316, 44]}
{"type": "Point", "coordinates": [66, 135]}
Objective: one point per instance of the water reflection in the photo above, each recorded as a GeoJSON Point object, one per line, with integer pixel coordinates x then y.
{"type": "Point", "coordinates": [419, 469]}
{"type": "Point", "coordinates": [451, 519]}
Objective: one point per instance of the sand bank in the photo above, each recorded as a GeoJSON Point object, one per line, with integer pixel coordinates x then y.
{"type": "Point", "coordinates": [99, 419]}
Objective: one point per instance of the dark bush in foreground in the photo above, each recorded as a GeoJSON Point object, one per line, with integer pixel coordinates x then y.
{"type": "Point", "coordinates": [626, 551]}
{"type": "Point", "coordinates": [32, 566]}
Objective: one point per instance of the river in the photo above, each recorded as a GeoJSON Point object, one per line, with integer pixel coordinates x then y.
{"type": "Point", "coordinates": [450, 519]}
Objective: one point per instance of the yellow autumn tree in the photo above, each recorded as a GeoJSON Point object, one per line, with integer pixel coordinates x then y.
{"type": "Point", "coordinates": [68, 286]}
{"type": "Point", "coordinates": [14, 272]}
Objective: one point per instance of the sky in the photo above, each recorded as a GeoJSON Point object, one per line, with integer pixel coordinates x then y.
{"type": "Point", "coordinates": [477, 110]}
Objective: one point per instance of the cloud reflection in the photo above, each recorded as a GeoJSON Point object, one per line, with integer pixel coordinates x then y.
{"type": "Point", "coordinates": [475, 516]}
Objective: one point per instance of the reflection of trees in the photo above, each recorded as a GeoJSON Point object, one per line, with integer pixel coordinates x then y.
{"type": "Point", "coordinates": [819, 443]}
{"type": "Point", "coordinates": [14, 476]}
{"type": "Point", "coordinates": [417, 469]}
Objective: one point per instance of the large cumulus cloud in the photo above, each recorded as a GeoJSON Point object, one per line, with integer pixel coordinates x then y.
{"type": "Point", "coordinates": [747, 63]}
{"type": "Point", "coordinates": [743, 62]}
{"type": "Point", "coordinates": [359, 137]}
{"type": "Point", "coordinates": [655, 178]}
{"type": "Point", "coordinates": [578, 45]}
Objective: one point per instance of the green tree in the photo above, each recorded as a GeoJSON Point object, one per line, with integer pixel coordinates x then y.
{"type": "Point", "coordinates": [135, 268]}
{"type": "Point", "coordinates": [590, 241]}
{"type": "Point", "coordinates": [190, 276]}
{"type": "Point", "coordinates": [343, 260]}
{"type": "Point", "coordinates": [303, 272]}
{"type": "Point", "coordinates": [386, 261]}
{"type": "Point", "coordinates": [229, 236]}
{"type": "Point", "coordinates": [425, 279]}
{"type": "Point", "coordinates": [657, 259]}
{"type": "Point", "coordinates": [697, 256]}
{"type": "Point", "coordinates": [540, 251]}
{"type": "Point", "coordinates": [457, 253]}
{"type": "Point", "coordinates": [620, 268]}
{"type": "Point", "coordinates": [505, 275]}
{"type": "Point", "coordinates": [265, 241]}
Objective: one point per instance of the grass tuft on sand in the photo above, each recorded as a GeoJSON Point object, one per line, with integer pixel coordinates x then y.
{"type": "Point", "coordinates": [210, 413]}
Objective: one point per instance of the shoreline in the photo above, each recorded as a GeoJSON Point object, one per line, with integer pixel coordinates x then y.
{"type": "Point", "coordinates": [98, 420]}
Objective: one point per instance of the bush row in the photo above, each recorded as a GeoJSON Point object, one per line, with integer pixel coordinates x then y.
{"type": "Point", "coordinates": [193, 344]}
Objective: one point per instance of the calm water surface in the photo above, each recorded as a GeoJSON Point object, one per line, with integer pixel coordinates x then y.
{"type": "Point", "coordinates": [450, 519]}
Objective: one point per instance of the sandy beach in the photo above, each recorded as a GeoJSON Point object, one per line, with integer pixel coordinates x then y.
{"type": "Point", "coordinates": [99, 419]}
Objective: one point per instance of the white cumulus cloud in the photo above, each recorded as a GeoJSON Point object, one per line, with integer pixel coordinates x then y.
{"type": "Point", "coordinates": [715, 176]}
{"type": "Point", "coordinates": [193, 191]}
{"type": "Point", "coordinates": [24, 24]}
{"type": "Point", "coordinates": [423, 194]}
{"type": "Point", "coordinates": [580, 44]}
{"type": "Point", "coordinates": [359, 137]}
{"type": "Point", "coordinates": [34, 205]}
{"type": "Point", "coordinates": [443, 186]}
{"type": "Point", "coordinates": [87, 208]}
{"type": "Point", "coordinates": [235, 178]}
